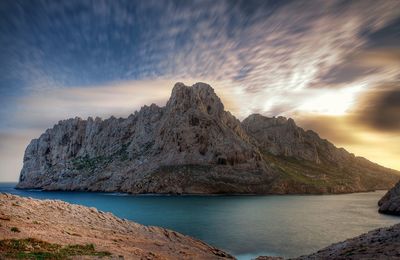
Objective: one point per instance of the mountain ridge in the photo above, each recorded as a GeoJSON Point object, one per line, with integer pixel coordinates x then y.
{"type": "Point", "coordinates": [192, 145]}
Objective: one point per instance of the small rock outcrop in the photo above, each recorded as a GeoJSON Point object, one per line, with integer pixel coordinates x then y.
{"type": "Point", "coordinates": [192, 145]}
{"type": "Point", "coordinates": [390, 202]}
{"type": "Point", "coordinates": [382, 243]}
{"type": "Point", "coordinates": [62, 223]}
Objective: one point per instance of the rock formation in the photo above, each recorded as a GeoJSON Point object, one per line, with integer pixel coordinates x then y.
{"type": "Point", "coordinates": [192, 145]}
{"type": "Point", "coordinates": [309, 164]}
{"type": "Point", "coordinates": [382, 243]}
{"type": "Point", "coordinates": [61, 223]}
{"type": "Point", "coordinates": [390, 203]}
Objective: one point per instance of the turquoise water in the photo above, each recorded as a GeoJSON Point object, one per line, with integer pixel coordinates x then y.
{"type": "Point", "coordinates": [246, 226]}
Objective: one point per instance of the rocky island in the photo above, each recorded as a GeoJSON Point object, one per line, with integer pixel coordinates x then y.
{"type": "Point", "coordinates": [192, 145]}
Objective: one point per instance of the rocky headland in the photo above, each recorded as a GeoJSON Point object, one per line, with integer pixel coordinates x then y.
{"type": "Point", "coordinates": [192, 145]}
{"type": "Point", "coordinates": [31, 228]}
{"type": "Point", "coordinates": [390, 202]}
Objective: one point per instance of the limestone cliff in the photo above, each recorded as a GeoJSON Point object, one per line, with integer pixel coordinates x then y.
{"type": "Point", "coordinates": [192, 145]}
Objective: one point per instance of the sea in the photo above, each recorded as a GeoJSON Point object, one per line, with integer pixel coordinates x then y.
{"type": "Point", "coordinates": [245, 226]}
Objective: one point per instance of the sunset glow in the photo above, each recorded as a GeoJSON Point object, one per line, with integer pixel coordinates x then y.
{"type": "Point", "coordinates": [327, 66]}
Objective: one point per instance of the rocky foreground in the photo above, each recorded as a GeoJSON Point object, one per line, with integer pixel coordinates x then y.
{"type": "Point", "coordinates": [192, 145]}
{"type": "Point", "coordinates": [382, 243]}
{"type": "Point", "coordinates": [57, 228]}
{"type": "Point", "coordinates": [390, 203]}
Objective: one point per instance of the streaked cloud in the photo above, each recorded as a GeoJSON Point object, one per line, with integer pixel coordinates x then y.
{"type": "Point", "coordinates": [320, 62]}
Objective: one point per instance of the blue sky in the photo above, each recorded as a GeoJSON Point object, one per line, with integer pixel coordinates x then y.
{"type": "Point", "coordinates": [320, 62]}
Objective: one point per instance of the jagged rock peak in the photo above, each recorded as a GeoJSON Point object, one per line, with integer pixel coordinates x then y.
{"type": "Point", "coordinates": [198, 96]}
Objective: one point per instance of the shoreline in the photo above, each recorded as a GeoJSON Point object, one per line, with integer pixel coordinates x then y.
{"type": "Point", "coordinates": [188, 194]}
{"type": "Point", "coordinates": [74, 225]}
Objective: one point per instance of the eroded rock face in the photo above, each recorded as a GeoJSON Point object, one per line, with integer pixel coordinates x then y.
{"type": "Point", "coordinates": [281, 136]}
{"type": "Point", "coordinates": [390, 203]}
{"type": "Point", "coordinates": [195, 129]}
{"type": "Point", "coordinates": [192, 145]}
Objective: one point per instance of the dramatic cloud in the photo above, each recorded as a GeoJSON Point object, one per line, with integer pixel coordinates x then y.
{"type": "Point", "coordinates": [334, 128]}
{"type": "Point", "coordinates": [318, 61]}
{"type": "Point", "coordinates": [379, 108]}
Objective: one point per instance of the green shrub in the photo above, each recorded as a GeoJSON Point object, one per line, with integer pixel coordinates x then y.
{"type": "Point", "coordinates": [31, 248]}
{"type": "Point", "coordinates": [15, 229]}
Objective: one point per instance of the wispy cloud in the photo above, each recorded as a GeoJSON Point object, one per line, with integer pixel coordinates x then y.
{"type": "Point", "coordinates": [276, 60]}
{"type": "Point", "coordinates": [292, 58]}
{"type": "Point", "coordinates": [379, 108]}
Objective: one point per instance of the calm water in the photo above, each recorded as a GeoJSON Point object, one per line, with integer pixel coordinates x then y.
{"type": "Point", "coordinates": [246, 226]}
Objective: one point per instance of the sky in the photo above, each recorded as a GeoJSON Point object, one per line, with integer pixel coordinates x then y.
{"type": "Point", "coordinates": [333, 66]}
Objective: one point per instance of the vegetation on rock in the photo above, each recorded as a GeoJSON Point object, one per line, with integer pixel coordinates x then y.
{"type": "Point", "coordinates": [31, 248]}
